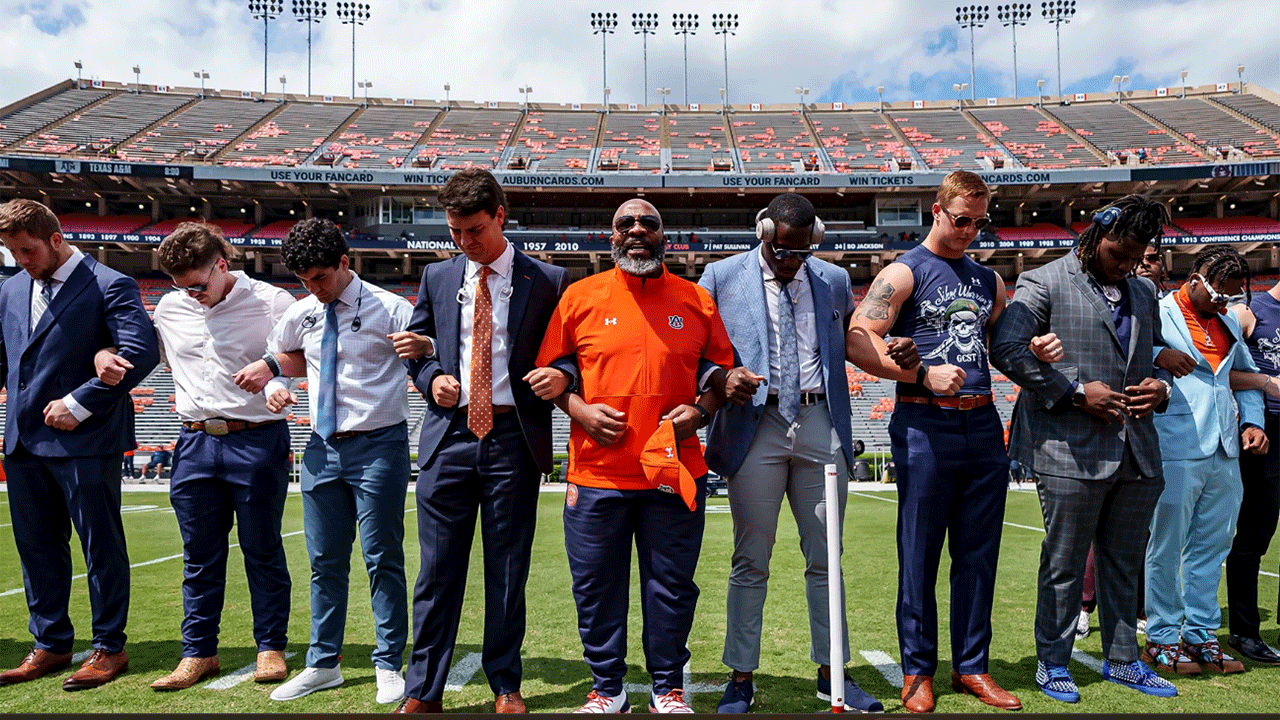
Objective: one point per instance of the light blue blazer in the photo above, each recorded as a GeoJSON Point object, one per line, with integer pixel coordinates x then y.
{"type": "Point", "coordinates": [737, 285]}
{"type": "Point", "coordinates": [1204, 413]}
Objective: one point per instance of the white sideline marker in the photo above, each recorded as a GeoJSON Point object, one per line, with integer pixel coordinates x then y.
{"type": "Point", "coordinates": [885, 665]}
{"type": "Point", "coordinates": [82, 655]}
{"type": "Point", "coordinates": [690, 687]}
{"type": "Point", "coordinates": [1087, 660]}
{"type": "Point", "coordinates": [462, 672]}
{"type": "Point", "coordinates": [230, 680]}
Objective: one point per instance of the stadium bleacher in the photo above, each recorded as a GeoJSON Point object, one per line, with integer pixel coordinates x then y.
{"type": "Point", "coordinates": [196, 132]}
{"type": "Point", "coordinates": [1112, 127]}
{"type": "Point", "coordinates": [1037, 141]}
{"type": "Point", "coordinates": [557, 141]}
{"type": "Point", "coordinates": [1208, 124]}
{"type": "Point", "coordinates": [107, 123]}
{"type": "Point", "coordinates": [700, 142]}
{"type": "Point", "coordinates": [288, 137]}
{"type": "Point", "coordinates": [40, 114]}
{"type": "Point", "coordinates": [632, 141]}
{"type": "Point", "coordinates": [946, 139]}
{"type": "Point", "coordinates": [467, 138]}
{"type": "Point", "coordinates": [858, 141]}
{"type": "Point", "coordinates": [774, 142]}
{"type": "Point", "coordinates": [378, 137]}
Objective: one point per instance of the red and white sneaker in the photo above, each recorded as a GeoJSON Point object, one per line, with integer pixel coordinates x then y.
{"type": "Point", "coordinates": [603, 704]}
{"type": "Point", "coordinates": [672, 702]}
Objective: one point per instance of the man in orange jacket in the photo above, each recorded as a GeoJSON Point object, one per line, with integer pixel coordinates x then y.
{"type": "Point", "coordinates": [638, 333]}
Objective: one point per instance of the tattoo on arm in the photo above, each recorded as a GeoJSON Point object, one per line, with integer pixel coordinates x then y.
{"type": "Point", "coordinates": [876, 305]}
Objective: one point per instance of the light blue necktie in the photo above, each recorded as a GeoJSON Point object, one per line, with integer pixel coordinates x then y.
{"type": "Point", "coordinates": [789, 359]}
{"type": "Point", "coordinates": [327, 393]}
{"type": "Point", "coordinates": [43, 300]}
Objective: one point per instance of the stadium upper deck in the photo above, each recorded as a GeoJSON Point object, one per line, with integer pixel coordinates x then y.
{"type": "Point", "coordinates": [243, 129]}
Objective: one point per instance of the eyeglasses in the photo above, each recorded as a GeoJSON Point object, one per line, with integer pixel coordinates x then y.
{"type": "Point", "coordinates": [1216, 297]}
{"type": "Point", "coordinates": [963, 221]}
{"type": "Point", "coordinates": [199, 287]}
{"type": "Point", "coordinates": [623, 223]}
{"type": "Point", "coordinates": [784, 254]}
{"type": "Point", "coordinates": [1151, 257]}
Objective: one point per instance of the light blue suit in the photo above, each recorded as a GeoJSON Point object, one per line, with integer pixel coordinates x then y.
{"type": "Point", "coordinates": [1195, 518]}
{"type": "Point", "coordinates": [764, 459]}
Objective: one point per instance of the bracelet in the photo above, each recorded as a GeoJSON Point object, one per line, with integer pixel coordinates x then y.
{"type": "Point", "coordinates": [272, 364]}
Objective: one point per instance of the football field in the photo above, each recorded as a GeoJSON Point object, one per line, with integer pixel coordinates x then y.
{"type": "Point", "coordinates": [555, 677]}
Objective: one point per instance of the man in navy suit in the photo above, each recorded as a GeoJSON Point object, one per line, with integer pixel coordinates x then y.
{"type": "Point", "coordinates": [791, 314]}
{"type": "Point", "coordinates": [64, 434]}
{"type": "Point", "coordinates": [485, 440]}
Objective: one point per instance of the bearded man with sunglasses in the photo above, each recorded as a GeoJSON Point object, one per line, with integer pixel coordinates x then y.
{"type": "Point", "coordinates": [1202, 438]}
{"type": "Point", "coordinates": [947, 440]}
{"type": "Point", "coordinates": [638, 334]}
{"type": "Point", "coordinates": [1083, 424]}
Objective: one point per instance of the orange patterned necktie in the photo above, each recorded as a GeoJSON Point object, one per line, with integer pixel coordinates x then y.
{"type": "Point", "coordinates": [480, 394]}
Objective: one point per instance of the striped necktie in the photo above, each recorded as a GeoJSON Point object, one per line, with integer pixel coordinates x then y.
{"type": "Point", "coordinates": [40, 302]}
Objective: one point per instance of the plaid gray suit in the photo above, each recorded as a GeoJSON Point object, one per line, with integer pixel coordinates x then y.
{"type": "Point", "coordinates": [1098, 482]}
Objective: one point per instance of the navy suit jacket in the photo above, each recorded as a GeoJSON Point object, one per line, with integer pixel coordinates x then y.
{"type": "Point", "coordinates": [535, 289]}
{"type": "Point", "coordinates": [737, 286]}
{"type": "Point", "coordinates": [96, 308]}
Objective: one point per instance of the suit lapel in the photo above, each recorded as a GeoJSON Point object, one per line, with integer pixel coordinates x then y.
{"type": "Point", "coordinates": [821, 316]}
{"type": "Point", "coordinates": [452, 284]}
{"type": "Point", "coordinates": [22, 308]}
{"type": "Point", "coordinates": [521, 285]}
{"type": "Point", "coordinates": [748, 287]}
{"type": "Point", "coordinates": [1081, 279]}
{"type": "Point", "coordinates": [1173, 316]}
{"type": "Point", "coordinates": [79, 280]}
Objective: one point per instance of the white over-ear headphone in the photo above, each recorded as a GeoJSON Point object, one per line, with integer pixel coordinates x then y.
{"type": "Point", "coordinates": [766, 229]}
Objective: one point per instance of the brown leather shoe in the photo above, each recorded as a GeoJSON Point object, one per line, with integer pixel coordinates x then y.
{"type": "Point", "coordinates": [37, 663]}
{"type": "Point", "coordinates": [511, 702]}
{"type": "Point", "coordinates": [101, 668]}
{"type": "Point", "coordinates": [985, 689]}
{"type": "Point", "coordinates": [414, 706]}
{"type": "Point", "coordinates": [271, 667]}
{"type": "Point", "coordinates": [917, 693]}
{"type": "Point", "coordinates": [191, 670]}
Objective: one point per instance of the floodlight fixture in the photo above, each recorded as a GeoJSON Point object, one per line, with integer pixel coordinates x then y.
{"type": "Point", "coordinates": [604, 24]}
{"type": "Point", "coordinates": [1058, 12]}
{"type": "Point", "coordinates": [644, 25]}
{"type": "Point", "coordinates": [1011, 16]}
{"type": "Point", "coordinates": [266, 12]}
{"type": "Point", "coordinates": [724, 25]}
{"type": "Point", "coordinates": [353, 14]}
{"type": "Point", "coordinates": [309, 12]}
{"type": "Point", "coordinates": [686, 25]}
{"type": "Point", "coordinates": [972, 16]}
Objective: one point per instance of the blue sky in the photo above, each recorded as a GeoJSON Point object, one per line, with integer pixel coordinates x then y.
{"type": "Point", "coordinates": [840, 49]}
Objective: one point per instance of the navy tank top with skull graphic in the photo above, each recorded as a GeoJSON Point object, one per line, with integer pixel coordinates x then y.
{"type": "Point", "coordinates": [1264, 343]}
{"type": "Point", "coordinates": [947, 316]}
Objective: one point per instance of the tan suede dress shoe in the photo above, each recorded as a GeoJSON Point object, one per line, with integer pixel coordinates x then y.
{"type": "Point", "coordinates": [37, 663]}
{"type": "Point", "coordinates": [101, 668]}
{"type": "Point", "coordinates": [191, 670]}
{"type": "Point", "coordinates": [271, 667]}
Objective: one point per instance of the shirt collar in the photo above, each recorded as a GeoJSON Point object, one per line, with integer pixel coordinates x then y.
{"type": "Point", "coordinates": [637, 282]}
{"type": "Point", "coordinates": [352, 292]}
{"type": "Point", "coordinates": [501, 266]}
{"type": "Point", "coordinates": [63, 273]}
{"type": "Point", "coordinates": [802, 275]}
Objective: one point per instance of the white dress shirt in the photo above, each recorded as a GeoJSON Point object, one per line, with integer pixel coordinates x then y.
{"type": "Point", "coordinates": [60, 277]}
{"type": "Point", "coordinates": [206, 346]}
{"type": "Point", "coordinates": [372, 381]}
{"type": "Point", "coordinates": [801, 291]}
{"type": "Point", "coordinates": [500, 293]}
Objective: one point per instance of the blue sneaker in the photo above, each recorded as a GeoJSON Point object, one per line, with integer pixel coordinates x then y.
{"type": "Point", "coordinates": [1139, 676]}
{"type": "Point", "coordinates": [855, 698]}
{"type": "Point", "coordinates": [1055, 681]}
{"type": "Point", "coordinates": [738, 697]}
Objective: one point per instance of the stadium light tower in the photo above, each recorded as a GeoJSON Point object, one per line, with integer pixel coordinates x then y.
{"type": "Point", "coordinates": [1040, 92]}
{"type": "Point", "coordinates": [959, 88]}
{"type": "Point", "coordinates": [353, 14]}
{"type": "Point", "coordinates": [446, 94]}
{"type": "Point", "coordinates": [283, 79]}
{"type": "Point", "coordinates": [137, 79]}
{"type": "Point", "coordinates": [645, 24]}
{"type": "Point", "coordinates": [266, 12]}
{"type": "Point", "coordinates": [365, 85]}
{"type": "Point", "coordinates": [1182, 80]}
{"type": "Point", "coordinates": [603, 24]}
{"type": "Point", "coordinates": [880, 90]}
{"type": "Point", "coordinates": [685, 25]}
{"type": "Point", "coordinates": [201, 75]}
{"type": "Point", "coordinates": [1058, 12]}
{"type": "Point", "coordinates": [1013, 15]}
{"type": "Point", "coordinates": [79, 77]}
{"type": "Point", "coordinates": [663, 94]}
{"type": "Point", "coordinates": [526, 89]}
{"type": "Point", "coordinates": [801, 92]}
{"type": "Point", "coordinates": [1240, 75]}
{"type": "Point", "coordinates": [309, 12]}
{"type": "Point", "coordinates": [972, 16]}
{"type": "Point", "coordinates": [1119, 80]}
{"type": "Point", "coordinates": [725, 24]}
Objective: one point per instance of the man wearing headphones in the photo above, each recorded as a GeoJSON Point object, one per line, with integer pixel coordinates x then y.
{"type": "Point", "coordinates": [1084, 427]}
{"type": "Point", "coordinates": [774, 444]}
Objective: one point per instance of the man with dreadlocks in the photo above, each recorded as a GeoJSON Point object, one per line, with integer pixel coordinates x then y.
{"type": "Point", "coordinates": [1083, 425]}
{"type": "Point", "coordinates": [1201, 437]}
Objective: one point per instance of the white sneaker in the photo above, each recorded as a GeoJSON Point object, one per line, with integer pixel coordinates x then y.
{"type": "Point", "coordinates": [308, 681]}
{"type": "Point", "coordinates": [1142, 626]}
{"type": "Point", "coordinates": [1082, 625]}
{"type": "Point", "coordinates": [603, 704]}
{"type": "Point", "coordinates": [672, 702]}
{"type": "Point", "coordinates": [390, 685]}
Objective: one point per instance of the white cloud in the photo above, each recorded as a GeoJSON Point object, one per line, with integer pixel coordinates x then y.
{"type": "Point", "coordinates": [488, 48]}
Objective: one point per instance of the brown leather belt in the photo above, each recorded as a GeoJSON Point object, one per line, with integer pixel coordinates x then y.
{"type": "Point", "coordinates": [497, 409]}
{"type": "Point", "coordinates": [806, 398]}
{"type": "Point", "coordinates": [219, 426]}
{"type": "Point", "coordinates": [956, 402]}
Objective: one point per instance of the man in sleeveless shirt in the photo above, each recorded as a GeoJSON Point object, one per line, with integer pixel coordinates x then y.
{"type": "Point", "coordinates": [947, 440]}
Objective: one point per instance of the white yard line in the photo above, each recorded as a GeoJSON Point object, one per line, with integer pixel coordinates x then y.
{"type": "Point", "coordinates": [1087, 660]}
{"type": "Point", "coordinates": [885, 665]}
{"type": "Point", "coordinates": [895, 502]}
{"type": "Point", "coordinates": [231, 680]}
{"type": "Point", "coordinates": [462, 672]}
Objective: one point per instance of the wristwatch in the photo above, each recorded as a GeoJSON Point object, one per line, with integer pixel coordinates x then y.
{"type": "Point", "coordinates": [706, 416]}
{"type": "Point", "coordinates": [1078, 397]}
{"type": "Point", "coordinates": [272, 364]}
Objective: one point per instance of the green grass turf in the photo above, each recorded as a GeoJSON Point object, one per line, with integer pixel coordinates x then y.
{"type": "Point", "coordinates": [555, 677]}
